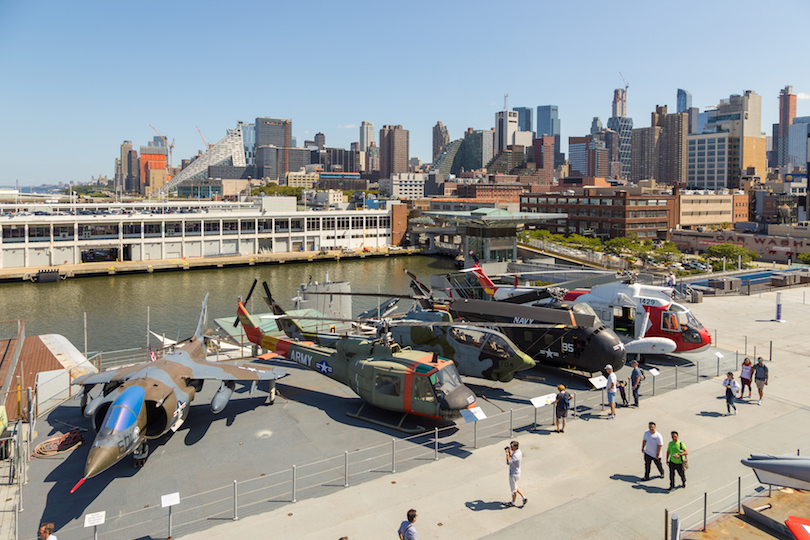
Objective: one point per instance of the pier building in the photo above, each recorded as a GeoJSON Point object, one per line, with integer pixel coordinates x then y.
{"type": "Point", "coordinates": [36, 235]}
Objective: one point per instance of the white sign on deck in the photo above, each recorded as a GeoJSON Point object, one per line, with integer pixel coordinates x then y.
{"type": "Point", "coordinates": [654, 372]}
{"type": "Point", "coordinates": [94, 520]}
{"type": "Point", "coordinates": [172, 499]}
{"type": "Point", "coordinates": [599, 382]}
{"type": "Point", "coordinates": [542, 401]}
{"type": "Point", "coordinates": [472, 415]}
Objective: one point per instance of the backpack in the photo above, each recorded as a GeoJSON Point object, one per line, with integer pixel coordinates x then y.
{"type": "Point", "coordinates": [566, 401]}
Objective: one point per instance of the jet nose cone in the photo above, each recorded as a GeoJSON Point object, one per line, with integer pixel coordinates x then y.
{"type": "Point", "coordinates": [100, 459]}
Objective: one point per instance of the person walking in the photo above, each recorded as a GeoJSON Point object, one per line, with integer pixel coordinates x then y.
{"type": "Point", "coordinates": [612, 387]}
{"type": "Point", "coordinates": [513, 458]}
{"type": "Point", "coordinates": [46, 531]}
{"type": "Point", "coordinates": [562, 404]}
{"type": "Point", "coordinates": [675, 454]}
{"type": "Point", "coordinates": [635, 380]}
{"type": "Point", "coordinates": [407, 530]}
{"type": "Point", "coordinates": [651, 446]}
{"type": "Point", "coordinates": [731, 386]}
{"type": "Point", "coordinates": [745, 377]}
{"type": "Point", "coordinates": [760, 378]}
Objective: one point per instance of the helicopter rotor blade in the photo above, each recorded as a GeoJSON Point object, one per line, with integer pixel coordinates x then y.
{"type": "Point", "coordinates": [255, 281]}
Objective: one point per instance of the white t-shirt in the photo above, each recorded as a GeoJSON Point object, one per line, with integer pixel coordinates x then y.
{"type": "Point", "coordinates": [514, 463]}
{"type": "Point", "coordinates": [612, 382]}
{"type": "Point", "coordinates": [654, 442]}
{"type": "Point", "coordinates": [746, 372]}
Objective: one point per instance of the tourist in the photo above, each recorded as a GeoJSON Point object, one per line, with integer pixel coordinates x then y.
{"type": "Point", "coordinates": [635, 380]}
{"type": "Point", "coordinates": [745, 377]}
{"type": "Point", "coordinates": [46, 531]}
{"type": "Point", "coordinates": [612, 387]}
{"type": "Point", "coordinates": [760, 377]}
{"type": "Point", "coordinates": [407, 530]}
{"type": "Point", "coordinates": [675, 460]}
{"type": "Point", "coordinates": [563, 402]}
{"type": "Point", "coordinates": [731, 386]}
{"type": "Point", "coordinates": [513, 458]}
{"type": "Point", "coordinates": [651, 446]}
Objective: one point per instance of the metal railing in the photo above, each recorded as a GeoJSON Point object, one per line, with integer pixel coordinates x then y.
{"type": "Point", "coordinates": [591, 257]}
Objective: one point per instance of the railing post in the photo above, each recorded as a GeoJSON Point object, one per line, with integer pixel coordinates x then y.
{"type": "Point", "coordinates": [345, 468]}
{"type": "Point", "coordinates": [739, 494]}
{"type": "Point", "coordinates": [475, 434]}
{"type": "Point", "coordinates": [293, 483]}
{"type": "Point", "coordinates": [697, 370]}
{"type": "Point", "coordinates": [435, 444]}
{"type": "Point", "coordinates": [676, 376]}
{"type": "Point", "coordinates": [666, 523]}
{"type": "Point", "coordinates": [235, 516]}
{"type": "Point", "coordinates": [770, 353]}
{"type": "Point", "coordinates": [736, 361]}
{"type": "Point", "coordinates": [393, 455]}
{"type": "Point", "coordinates": [705, 506]}
{"type": "Point", "coordinates": [654, 385]}
{"type": "Point", "coordinates": [511, 411]}
{"type": "Point", "coordinates": [574, 415]}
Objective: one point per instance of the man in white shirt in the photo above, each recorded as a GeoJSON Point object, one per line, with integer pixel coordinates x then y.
{"type": "Point", "coordinates": [612, 387]}
{"type": "Point", "coordinates": [46, 531]}
{"type": "Point", "coordinates": [651, 447]}
{"type": "Point", "coordinates": [513, 458]}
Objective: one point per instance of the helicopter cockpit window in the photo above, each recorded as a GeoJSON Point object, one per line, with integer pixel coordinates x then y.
{"type": "Point", "coordinates": [468, 336]}
{"type": "Point", "coordinates": [496, 346]}
{"type": "Point", "coordinates": [669, 322]}
{"type": "Point", "coordinates": [446, 380]}
{"type": "Point", "coordinates": [422, 389]}
{"type": "Point", "coordinates": [584, 308]}
{"type": "Point", "coordinates": [388, 385]}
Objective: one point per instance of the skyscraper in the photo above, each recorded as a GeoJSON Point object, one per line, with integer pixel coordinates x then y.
{"type": "Point", "coordinates": [659, 152]}
{"type": "Point", "coordinates": [506, 125]}
{"type": "Point", "coordinates": [273, 141]}
{"type": "Point", "coordinates": [596, 125]}
{"type": "Point", "coordinates": [394, 150]}
{"type": "Point", "coordinates": [524, 118]}
{"type": "Point", "coordinates": [623, 125]}
{"type": "Point", "coordinates": [440, 138]}
{"type": "Point", "coordinates": [587, 156]}
{"type": "Point", "coordinates": [787, 112]}
{"type": "Point", "coordinates": [548, 123]}
{"type": "Point", "coordinates": [366, 135]}
{"type": "Point", "coordinates": [684, 101]}
{"type": "Point", "coordinates": [320, 140]}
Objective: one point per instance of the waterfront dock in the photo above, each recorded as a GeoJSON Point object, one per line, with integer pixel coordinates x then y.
{"type": "Point", "coordinates": [91, 269]}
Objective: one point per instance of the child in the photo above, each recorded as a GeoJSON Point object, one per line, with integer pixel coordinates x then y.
{"type": "Point", "coordinates": [623, 394]}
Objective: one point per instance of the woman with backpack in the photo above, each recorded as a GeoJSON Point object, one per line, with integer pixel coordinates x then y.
{"type": "Point", "coordinates": [563, 402]}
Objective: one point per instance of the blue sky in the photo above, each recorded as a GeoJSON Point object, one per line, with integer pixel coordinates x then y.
{"type": "Point", "coordinates": [79, 78]}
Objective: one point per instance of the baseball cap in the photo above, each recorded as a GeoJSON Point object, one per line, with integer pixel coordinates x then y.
{"type": "Point", "coordinates": [609, 367]}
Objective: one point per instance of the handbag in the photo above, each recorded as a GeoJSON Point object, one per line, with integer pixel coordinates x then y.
{"type": "Point", "coordinates": [684, 460]}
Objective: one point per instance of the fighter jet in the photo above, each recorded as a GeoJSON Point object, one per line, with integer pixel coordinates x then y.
{"type": "Point", "coordinates": [147, 400]}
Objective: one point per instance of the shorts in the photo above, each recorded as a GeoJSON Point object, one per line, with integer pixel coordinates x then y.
{"type": "Point", "coordinates": [611, 397]}
{"type": "Point", "coordinates": [513, 480]}
{"type": "Point", "coordinates": [760, 383]}
{"type": "Point", "coordinates": [562, 413]}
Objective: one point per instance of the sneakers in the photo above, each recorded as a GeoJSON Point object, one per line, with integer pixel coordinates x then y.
{"type": "Point", "coordinates": [759, 402]}
{"type": "Point", "coordinates": [749, 395]}
{"type": "Point", "coordinates": [611, 416]}
{"type": "Point", "coordinates": [727, 414]}
{"type": "Point", "coordinates": [509, 504]}
{"type": "Point", "coordinates": [525, 500]}
{"type": "Point", "coordinates": [661, 476]}
{"type": "Point", "coordinates": [735, 411]}
{"type": "Point", "coordinates": [683, 485]}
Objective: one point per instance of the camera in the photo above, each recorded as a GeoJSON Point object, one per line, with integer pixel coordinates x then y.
{"type": "Point", "coordinates": [506, 448]}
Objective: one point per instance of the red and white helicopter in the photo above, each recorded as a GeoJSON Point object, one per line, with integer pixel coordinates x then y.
{"type": "Point", "coordinates": [644, 316]}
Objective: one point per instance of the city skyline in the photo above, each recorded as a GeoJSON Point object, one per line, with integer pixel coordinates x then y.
{"type": "Point", "coordinates": [82, 79]}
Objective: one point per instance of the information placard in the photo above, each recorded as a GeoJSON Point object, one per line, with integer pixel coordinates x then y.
{"type": "Point", "coordinates": [599, 382]}
{"type": "Point", "coordinates": [654, 372]}
{"type": "Point", "coordinates": [542, 401]}
{"type": "Point", "coordinates": [171, 499]}
{"type": "Point", "coordinates": [472, 415]}
{"type": "Point", "coordinates": [95, 519]}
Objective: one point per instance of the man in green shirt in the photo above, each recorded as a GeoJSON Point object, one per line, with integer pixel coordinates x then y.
{"type": "Point", "coordinates": [675, 453]}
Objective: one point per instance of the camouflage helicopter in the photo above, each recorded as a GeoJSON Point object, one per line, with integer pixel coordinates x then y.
{"type": "Point", "coordinates": [380, 371]}
{"type": "Point", "coordinates": [476, 351]}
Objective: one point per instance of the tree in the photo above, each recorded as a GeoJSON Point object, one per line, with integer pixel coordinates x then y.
{"type": "Point", "coordinates": [669, 252]}
{"type": "Point", "coordinates": [730, 252]}
{"type": "Point", "coordinates": [617, 246]}
{"type": "Point", "coordinates": [804, 257]}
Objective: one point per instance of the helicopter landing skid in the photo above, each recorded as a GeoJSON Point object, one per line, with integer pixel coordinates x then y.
{"type": "Point", "coordinates": [398, 426]}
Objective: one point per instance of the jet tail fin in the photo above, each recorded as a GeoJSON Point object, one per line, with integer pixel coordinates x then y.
{"type": "Point", "coordinates": [198, 334]}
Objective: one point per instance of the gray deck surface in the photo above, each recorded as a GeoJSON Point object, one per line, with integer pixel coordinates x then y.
{"type": "Point", "coordinates": [581, 484]}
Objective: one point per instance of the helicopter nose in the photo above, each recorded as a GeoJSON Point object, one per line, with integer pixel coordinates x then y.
{"type": "Point", "coordinates": [100, 459]}
{"type": "Point", "coordinates": [452, 404]}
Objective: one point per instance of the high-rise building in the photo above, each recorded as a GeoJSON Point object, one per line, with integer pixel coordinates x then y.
{"type": "Point", "coordinates": [797, 143]}
{"type": "Point", "coordinates": [506, 125]}
{"type": "Point", "coordinates": [123, 168]}
{"type": "Point", "coordinates": [587, 156]}
{"type": "Point", "coordinates": [394, 151]}
{"type": "Point", "coordinates": [646, 152]}
{"type": "Point", "coordinates": [440, 138]}
{"type": "Point", "coordinates": [684, 101]}
{"type": "Point", "coordinates": [787, 112]}
{"type": "Point", "coordinates": [548, 123]}
{"type": "Point", "coordinates": [320, 141]}
{"type": "Point", "coordinates": [366, 136]}
{"type": "Point", "coordinates": [596, 125]}
{"type": "Point", "coordinates": [714, 160]}
{"type": "Point", "coordinates": [474, 152]}
{"type": "Point", "coordinates": [623, 125]}
{"type": "Point", "coordinates": [228, 152]}
{"type": "Point", "coordinates": [273, 142]}
{"type": "Point", "coordinates": [544, 159]}
{"type": "Point", "coordinates": [671, 168]}
{"type": "Point", "coordinates": [372, 157]}
{"type": "Point", "coordinates": [524, 118]}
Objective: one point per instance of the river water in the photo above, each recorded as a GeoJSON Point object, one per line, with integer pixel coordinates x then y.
{"type": "Point", "coordinates": [116, 306]}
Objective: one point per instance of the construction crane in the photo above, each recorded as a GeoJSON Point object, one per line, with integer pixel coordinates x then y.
{"type": "Point", "coordinates": [207, 146]}
{"type": "Point", "coordinates": [170, 146]}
